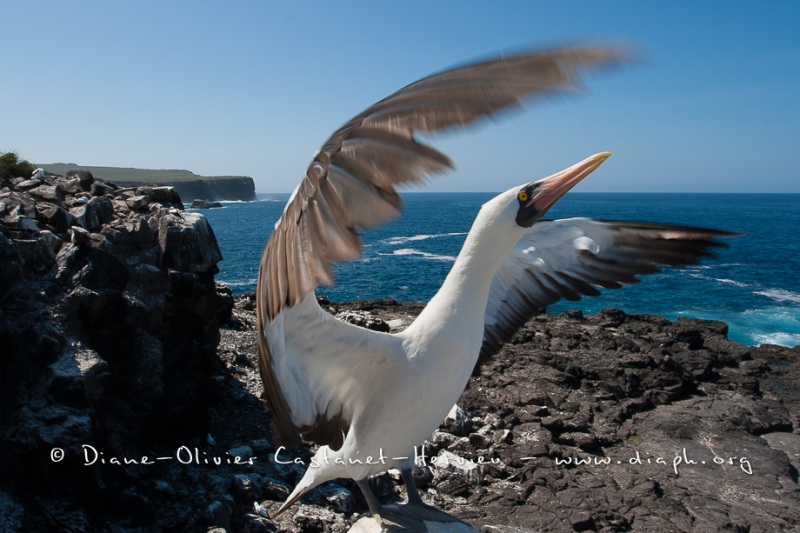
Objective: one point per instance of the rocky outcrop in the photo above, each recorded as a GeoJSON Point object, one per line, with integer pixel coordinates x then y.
{"type": "Point", "coordinates": [109, 323]}
{"type": "Point", "coordinates": [203, 204]}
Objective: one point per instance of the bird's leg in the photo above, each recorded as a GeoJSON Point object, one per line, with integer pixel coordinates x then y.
{"type": "Point", "coordinates": [391, 520]}
{"type": "Point", "coordinates": [374, 505]}
{"type": "Point", "coordinates": [411, 487]}
{"type": "Point", "coordinates": [416, 507]}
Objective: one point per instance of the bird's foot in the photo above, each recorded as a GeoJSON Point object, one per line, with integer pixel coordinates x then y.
{"type": "Point", "coordinates": [429, 513]}
{"type": "Point", "coordinates": [408, 518]}
{"type": "Point", "coordinates": [411, 517]}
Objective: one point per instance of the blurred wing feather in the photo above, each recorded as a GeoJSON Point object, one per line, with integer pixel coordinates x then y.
{"type": "Point", "coordinates": [351, 183]}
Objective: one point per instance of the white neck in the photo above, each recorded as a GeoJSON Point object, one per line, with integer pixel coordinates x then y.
{"type": "Point", "coordinates": [465, 291]}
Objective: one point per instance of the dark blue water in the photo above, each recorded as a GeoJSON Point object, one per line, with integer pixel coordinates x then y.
{"type": "Point", "coordinates": [753, 285]}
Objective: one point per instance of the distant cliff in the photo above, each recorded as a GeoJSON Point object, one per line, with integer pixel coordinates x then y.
{"type": "Point", "coordinates": [219, 188]}
{"type": "Point", "coordinates": [188, 184]}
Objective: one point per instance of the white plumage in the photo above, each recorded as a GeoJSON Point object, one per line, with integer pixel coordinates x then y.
{"type": "Point", "coordinates": [369, 398]}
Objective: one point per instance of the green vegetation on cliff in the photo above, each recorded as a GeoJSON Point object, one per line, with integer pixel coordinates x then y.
{"type": "Point", "coordinates": [12, 166]}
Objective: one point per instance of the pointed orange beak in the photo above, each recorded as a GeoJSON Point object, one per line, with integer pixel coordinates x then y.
{"type": "Point", "coordinates": [551, 188]}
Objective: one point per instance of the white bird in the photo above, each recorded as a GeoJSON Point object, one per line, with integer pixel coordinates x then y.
{"type": "Point", "coordinates": [368, 398]}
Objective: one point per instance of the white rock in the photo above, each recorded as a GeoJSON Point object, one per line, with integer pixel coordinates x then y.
{"type": "Point", "coordinates": [343, 500]}
{"type": "Point", "coordinates": [368, 524]}
{"type": "Point", "coordinates": [471, 471]}
{"type": "Point", "coordinates": [397, 323]}
{"type": "Point", "coordinates": [457, 422]}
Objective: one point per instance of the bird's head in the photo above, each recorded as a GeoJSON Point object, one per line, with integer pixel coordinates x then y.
{"type": "Point", "coordinates": [528, 203]}
{"type": "Point", "coordinates": [535, 198]}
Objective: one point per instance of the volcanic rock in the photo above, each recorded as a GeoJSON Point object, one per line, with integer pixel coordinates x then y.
{"type": "Point", "coordinates": [84, 178]}
{"type": "Point", "coordinates": [108, 338]}
{"type": "Point", "coordinates": [616, 422]}
{"type": "Point", "coordinates": [203, 204]}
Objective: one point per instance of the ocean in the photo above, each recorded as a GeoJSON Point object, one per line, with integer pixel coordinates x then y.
{"type": "Point", "coordinates": [753, 285]}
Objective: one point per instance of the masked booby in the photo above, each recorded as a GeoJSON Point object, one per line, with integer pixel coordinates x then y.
{"type": "Point", "coordinates": [368, 398]}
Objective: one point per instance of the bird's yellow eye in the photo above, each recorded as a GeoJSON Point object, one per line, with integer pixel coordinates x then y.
{"type": "Point", "coordinates": [523, 196]}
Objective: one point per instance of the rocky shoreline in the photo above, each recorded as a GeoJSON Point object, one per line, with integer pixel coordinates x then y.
{"type": "Point", "coordinates": [131, 398]}
{"type": "Point", "coordinates": [606, 422]}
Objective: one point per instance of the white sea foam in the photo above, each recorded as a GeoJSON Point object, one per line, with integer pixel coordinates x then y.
{"type": "Point", "coordinates": [778, 324]}
{"type": "Point", "coordinates": [731, 282]}
{"type": "Point", "coordinates": [240, 283]}
{"type": "Point", "coordinates": [788, 316]}
{"type": "Point", "coordinates": [426, 255]}
{"type": "Point", "coordinates": [226, 203]}
{"type": "Point", "coordinates": [772, 325]}
{"type": "Point", "coordinates": [726, 281]}
{"type": "Point", "coordinates": [780, 338]}
{"type": "Point", "coordinates": [780, 295]}
{"type": "Point", "coordinates": [393, 241]}
{"type": "Point", "coordinates": [189, 207]}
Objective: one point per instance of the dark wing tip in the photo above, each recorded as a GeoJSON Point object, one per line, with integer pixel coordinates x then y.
{"type": "Point", "coordinates": [699, 232]}
{"type": "Point", "coordinates": [638, 248]}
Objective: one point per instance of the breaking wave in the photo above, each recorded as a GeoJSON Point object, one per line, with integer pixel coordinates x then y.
{"type": "Point", "coordinates": [425, 255]}
{"type": "Point", "coordinates": [394, 241]}
{"type": "Point", "coordinates": [780, 295]}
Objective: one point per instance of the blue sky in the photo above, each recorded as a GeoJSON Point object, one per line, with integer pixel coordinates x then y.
{"type": "Point", "coordinates": [254, 87]}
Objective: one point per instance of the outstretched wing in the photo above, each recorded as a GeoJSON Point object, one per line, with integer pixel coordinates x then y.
{"type": "Point", "coordinates": [574, 257]}
{"type": "Point", "coordinates": [351, 184]}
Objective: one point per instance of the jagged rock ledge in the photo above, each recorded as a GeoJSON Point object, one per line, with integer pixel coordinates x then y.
{"type": "Point", "coordinates": [109, 324]}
